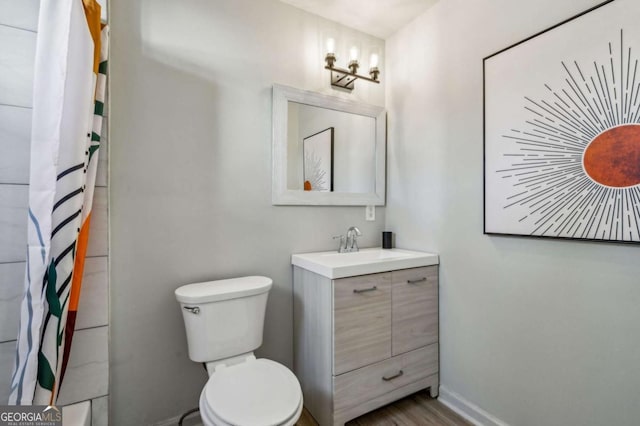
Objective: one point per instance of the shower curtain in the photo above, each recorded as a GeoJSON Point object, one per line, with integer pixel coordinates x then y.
{"type": "Point", "coordinates": [69, 89]}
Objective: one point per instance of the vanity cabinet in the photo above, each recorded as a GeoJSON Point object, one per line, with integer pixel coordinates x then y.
{"type": "Point", "coordinates": [364, 341]}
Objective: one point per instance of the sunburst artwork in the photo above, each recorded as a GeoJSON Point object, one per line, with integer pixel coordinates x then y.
{"type": "Point", "coordinates": [562, 130]}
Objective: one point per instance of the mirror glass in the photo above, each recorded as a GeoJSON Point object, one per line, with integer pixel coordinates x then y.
{"type": "Point", "coordinates": [352, 139]}
{"type": "Point", "coordinates": [327, 150]}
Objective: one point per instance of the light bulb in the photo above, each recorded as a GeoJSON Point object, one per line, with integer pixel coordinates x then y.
{"type": "Point", "coordinates": [373, 61]}
{"type": "Point", "coordinates": [353, 53]}
{"type": "Point", "coordinates": [331, 45]}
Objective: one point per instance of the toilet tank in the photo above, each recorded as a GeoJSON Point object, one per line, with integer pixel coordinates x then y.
{"type": "Point", "coordinates": [224, 318]}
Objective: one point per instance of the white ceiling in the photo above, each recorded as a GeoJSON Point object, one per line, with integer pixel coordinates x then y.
{"type": "Point", "coordinates": [380, 18]}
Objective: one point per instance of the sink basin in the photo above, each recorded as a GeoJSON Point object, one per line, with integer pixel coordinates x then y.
{"type": "Point", "coordinates": [332, 264]}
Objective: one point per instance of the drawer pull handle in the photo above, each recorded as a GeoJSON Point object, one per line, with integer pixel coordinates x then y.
{"type": "Point", "coordinates": [365, 290]}
{"type": "Point", "coordinates": [395, 376]}
{"type": "Point", "coordinates": [419, 280]}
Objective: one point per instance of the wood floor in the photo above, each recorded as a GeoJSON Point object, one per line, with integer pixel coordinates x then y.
{"type": "Point", "coordinates": [418, 409]}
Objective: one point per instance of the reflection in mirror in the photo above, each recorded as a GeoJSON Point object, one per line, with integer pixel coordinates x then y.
{"type": "Point", "coordinates": [353, 166]}
{"type": "Point", "coordinates": [327, 150]}
{"type": "Point", "coordinates": [317, 158]}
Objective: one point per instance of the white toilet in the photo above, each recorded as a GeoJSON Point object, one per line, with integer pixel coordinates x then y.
{"type": "Point", "coordinates": [224, 322]}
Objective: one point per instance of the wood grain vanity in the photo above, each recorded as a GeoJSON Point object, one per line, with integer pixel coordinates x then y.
{"type": "Point", "coordinates": [363, 341]}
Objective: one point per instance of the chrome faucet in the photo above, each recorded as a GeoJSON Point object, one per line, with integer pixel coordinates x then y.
{"type": "Point", "coordinates": [352, 234]}
{"type": "Point", "coordinates": [349, 242]}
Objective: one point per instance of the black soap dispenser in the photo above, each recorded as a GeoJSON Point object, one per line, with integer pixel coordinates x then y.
{"type": "Point", "coordinates": [387, 239]}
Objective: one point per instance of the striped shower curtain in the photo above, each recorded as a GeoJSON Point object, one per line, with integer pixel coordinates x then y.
{"type": "Point", "coordinates": [69, 89]}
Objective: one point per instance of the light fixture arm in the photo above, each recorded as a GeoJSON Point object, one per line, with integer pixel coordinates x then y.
{"type": "Point", "coordinates": [345, 78]}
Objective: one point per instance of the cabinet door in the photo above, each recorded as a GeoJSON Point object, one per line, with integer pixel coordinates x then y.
{"type": "Point", "coordinates": [361, 321]}
{"type": "Point", "coordinates": [415, 308]}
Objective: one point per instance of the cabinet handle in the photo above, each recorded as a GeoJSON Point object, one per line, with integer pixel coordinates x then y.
{"type": "Point", "coordinates": [395, 376]}
{"type": "Point", "coordinates": [364, 290]}
{"type": "Point", "coordinates": [419, 280]}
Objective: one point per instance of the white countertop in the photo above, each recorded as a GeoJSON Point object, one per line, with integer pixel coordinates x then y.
{"type": "Point", "coordinates": [332, 264]}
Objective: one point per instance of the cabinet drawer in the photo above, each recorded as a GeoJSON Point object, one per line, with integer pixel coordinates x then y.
{"type": "Point", "coordinates": [415, 308]}
{"type": "Point", "coordinates": [356, 387]}
{"type": "Point", "coordinates": [361, 321]}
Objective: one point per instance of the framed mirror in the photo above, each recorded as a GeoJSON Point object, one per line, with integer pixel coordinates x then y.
{"type": "Point", "coordinates": [327, 151]}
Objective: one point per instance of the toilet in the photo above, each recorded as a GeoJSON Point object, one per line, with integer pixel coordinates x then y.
{"type": "Point", "coordinates": [224, 323]}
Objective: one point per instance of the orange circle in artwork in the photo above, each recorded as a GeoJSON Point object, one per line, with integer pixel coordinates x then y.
{"type": "Point", "coordinates": [613, 157]}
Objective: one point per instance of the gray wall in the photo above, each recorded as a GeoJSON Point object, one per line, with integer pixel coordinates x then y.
{"type": "Point", "coordinates": [535, 332]}
{"type": "Point", "coordinates": [190, 188]}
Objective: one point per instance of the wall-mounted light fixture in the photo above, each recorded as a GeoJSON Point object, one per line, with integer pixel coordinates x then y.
{"type": "Point", "coordinates": [345, 78]}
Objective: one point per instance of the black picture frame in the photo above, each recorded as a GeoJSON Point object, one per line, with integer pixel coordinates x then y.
{"type": "Point", "coordinates": [570, 217]}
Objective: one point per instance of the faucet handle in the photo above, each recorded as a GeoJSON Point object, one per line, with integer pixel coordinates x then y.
{"type": "Point", "coordinates": [343, 243]}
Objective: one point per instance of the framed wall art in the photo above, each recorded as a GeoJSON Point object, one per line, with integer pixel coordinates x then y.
{"type": "Point", "coordinates": [317, 150]}
{"type": "Point", "coordinates": [562, 130]}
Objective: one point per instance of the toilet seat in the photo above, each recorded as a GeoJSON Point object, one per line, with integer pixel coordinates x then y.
{"type": "Point", "coordinates": [258, 392]}
{"type": "Point", "coordinates": [210, 419]}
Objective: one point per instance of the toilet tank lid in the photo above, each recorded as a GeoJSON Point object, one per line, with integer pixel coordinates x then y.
{"type": "Point", "coordinates": [215, 291]}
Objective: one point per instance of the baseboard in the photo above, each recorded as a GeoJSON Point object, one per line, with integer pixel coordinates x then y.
{"type": "Point", "coordinates": [467, 409]}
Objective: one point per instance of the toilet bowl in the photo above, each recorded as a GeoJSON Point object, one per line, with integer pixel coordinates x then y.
{"type": "Point", "coordinates": [257, 392]}
{"type": "Point", "coordinates": [224, 324]}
